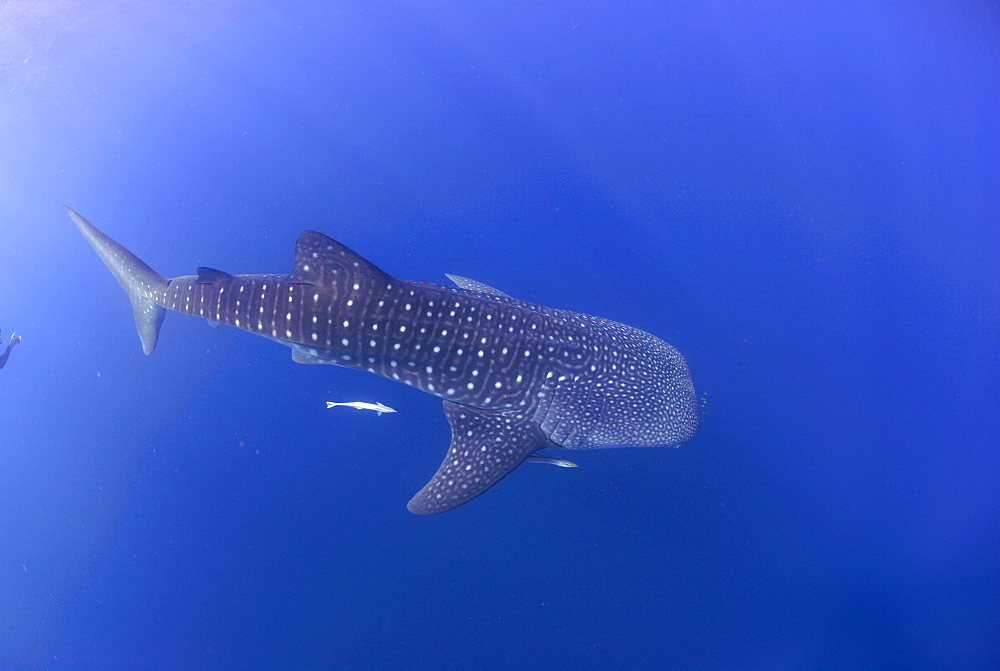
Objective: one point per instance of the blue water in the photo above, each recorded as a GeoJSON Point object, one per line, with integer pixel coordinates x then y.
{"type": "Point", "coordinates": [802, 197]}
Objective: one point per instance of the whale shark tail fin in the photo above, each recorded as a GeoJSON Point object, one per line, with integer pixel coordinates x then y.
{"type": "Point", "coordinates": [142, 284]}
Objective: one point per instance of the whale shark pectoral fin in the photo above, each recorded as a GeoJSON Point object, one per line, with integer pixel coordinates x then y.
{"type": "Point", "coordinates": [474, 285]}
{"type": "Point", "coordinates": [485, 446]}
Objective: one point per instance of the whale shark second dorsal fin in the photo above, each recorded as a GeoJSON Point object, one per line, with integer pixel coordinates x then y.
{"type": "Point", "coordinates": [211, 275]}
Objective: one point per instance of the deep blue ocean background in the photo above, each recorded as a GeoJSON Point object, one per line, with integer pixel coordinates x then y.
{"type": "Point", "coordinates": [802, 197]}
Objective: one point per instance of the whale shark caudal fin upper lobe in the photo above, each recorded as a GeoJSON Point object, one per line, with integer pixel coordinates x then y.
{"type": "Point", "coordinates": [139, 281]}
{"type": "Point", "coordinates": [485, 446]}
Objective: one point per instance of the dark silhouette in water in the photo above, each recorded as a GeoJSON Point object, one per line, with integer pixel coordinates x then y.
{"type": "Point", "coordinates": [14, 340]}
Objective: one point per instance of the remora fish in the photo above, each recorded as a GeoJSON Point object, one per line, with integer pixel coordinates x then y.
{"type": "Point", "coordinates": [515, 377]}
{"type": "Point", "coordinates": [361, 405]}
{"type": "Point", "coordinates": [542, 459]}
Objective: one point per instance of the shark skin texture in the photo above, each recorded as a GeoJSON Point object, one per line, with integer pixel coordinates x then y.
{"type": "Point", "coordinates": [514, 377]}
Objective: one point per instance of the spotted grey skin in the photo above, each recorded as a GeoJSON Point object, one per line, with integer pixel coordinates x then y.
{"type": "Point", "coordinates": [515, 377]}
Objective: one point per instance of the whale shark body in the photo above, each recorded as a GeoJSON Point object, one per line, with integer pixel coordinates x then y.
{"type": "Point", "coordinates": [515, 377]}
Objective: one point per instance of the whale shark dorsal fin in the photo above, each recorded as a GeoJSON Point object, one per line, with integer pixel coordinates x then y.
{"type": "Point", "coordinates": [211, 275]}
{"type": "Point", "coordinates": [322, 261]}
{"type": "Point", "coordinates": [485, 446]}
{"type": "Point", "coordinates": [474, 285]}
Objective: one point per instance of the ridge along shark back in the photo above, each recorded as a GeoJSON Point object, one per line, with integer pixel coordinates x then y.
{"type": "Point", "coordinates": [515, 377]}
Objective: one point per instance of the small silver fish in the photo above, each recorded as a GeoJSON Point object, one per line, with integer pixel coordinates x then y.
{"type": "Point", "coordinates": [535, 458]}
{"type": "Point", "coordinates": [361, 405]}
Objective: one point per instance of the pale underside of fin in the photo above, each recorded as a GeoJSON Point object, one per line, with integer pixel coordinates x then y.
{"type": "Point", "coordinates": [310, 355]}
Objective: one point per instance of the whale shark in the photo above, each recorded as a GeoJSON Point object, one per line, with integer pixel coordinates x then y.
{"type": "Point", "coordinates": [515, 377]}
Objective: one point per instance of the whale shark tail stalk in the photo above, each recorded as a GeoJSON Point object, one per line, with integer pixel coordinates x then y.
{"type": "Point", "coordinates": [138, 280]}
